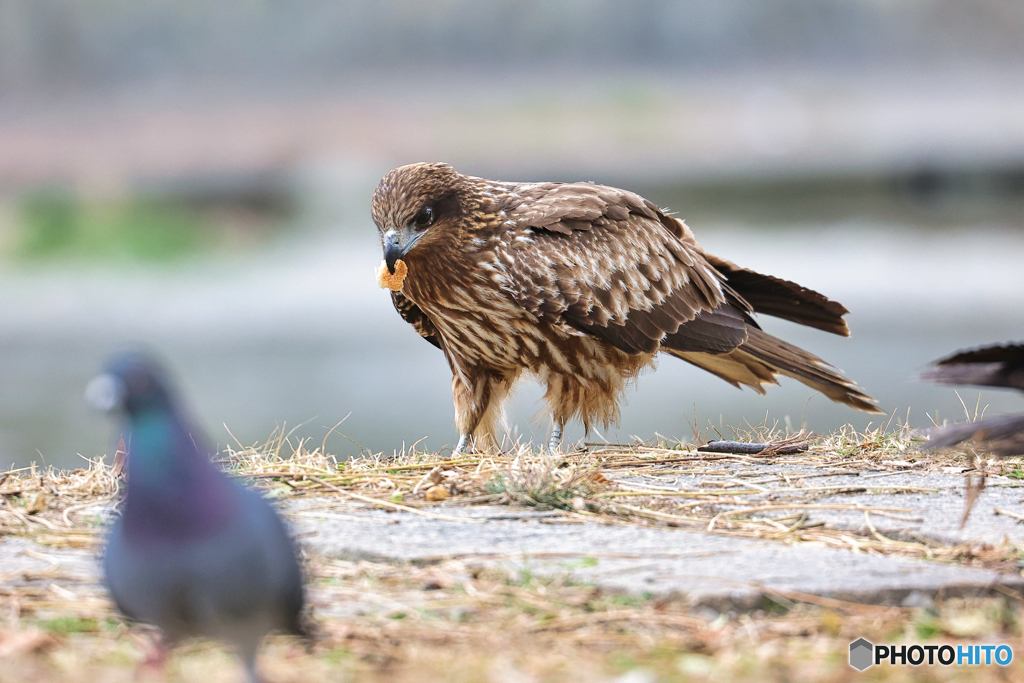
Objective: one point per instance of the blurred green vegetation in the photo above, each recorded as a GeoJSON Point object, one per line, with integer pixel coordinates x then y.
{"type": "Point", "coordinates": [57, 223]}
{"type": "Point", "coordinates": [76, 624]}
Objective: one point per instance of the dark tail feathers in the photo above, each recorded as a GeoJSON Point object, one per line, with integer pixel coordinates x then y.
{"type": "Point", "coordinates": [762, 357]}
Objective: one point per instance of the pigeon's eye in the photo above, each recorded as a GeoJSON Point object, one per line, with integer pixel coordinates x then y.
{"type": "Point", "coordinates": [425, 217]}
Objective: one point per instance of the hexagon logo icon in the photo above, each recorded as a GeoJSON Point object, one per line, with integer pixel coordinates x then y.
{"type": "Point", "coordinates": [861, 654]}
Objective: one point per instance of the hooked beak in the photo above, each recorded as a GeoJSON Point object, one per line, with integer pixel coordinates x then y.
{"type": "Point", "coordinates": [392, 250]}
{"type": "Point", "coordinates": [397, 244]}
{"type": "Point", "coordinates": [104, 393]}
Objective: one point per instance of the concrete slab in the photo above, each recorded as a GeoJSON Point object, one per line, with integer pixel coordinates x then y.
{"type": "Point", "coordinates": [705, 569]}
{"type": "Point", "coordinates": [24, 562]}
{"type": "Point", "coordinates": [718, 571]}
{"type": "Point", "coordinates": [935, 501]}
{"type": "Point", "coordinates": [937, 516]}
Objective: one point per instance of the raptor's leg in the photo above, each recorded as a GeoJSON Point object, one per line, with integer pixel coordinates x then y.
{"type": "Point", "coordinates": [556, 437]}
{"type": "Point", "coordinates": [471, 405]}
{"type": "Point", "coordinates": [465, 440]}
{"type": "Point", "coordinates": [478, 408]}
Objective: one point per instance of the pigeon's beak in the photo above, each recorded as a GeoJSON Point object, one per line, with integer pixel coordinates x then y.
{"type": "Point", "coordinates": [105, 393]}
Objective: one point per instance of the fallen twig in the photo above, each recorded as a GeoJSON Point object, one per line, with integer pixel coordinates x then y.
{"type": "Point", "coordinates": [1019, 518]}
{"type": "Point", "coordinates": [726, 446]}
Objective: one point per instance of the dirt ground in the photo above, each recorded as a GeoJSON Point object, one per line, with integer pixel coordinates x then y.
{"type": "Point", "coordinates": [454, 621]}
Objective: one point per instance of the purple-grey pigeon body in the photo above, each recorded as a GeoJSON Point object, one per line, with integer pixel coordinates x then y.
{"type": "Point", "coordinates": [194, 552]}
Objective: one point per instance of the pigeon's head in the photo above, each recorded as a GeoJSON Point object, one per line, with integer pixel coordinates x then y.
{"type": "Point", "coordinates": [132, 383]}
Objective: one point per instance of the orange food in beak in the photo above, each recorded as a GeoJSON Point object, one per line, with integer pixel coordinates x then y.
{"type": "Point", "coordinates": [393, 282]}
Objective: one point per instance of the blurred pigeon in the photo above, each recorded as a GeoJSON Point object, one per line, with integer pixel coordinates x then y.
{"type": "Point", "coordinates": [194, 552]}
{"type": "Point", "coordinates": [990, 366]}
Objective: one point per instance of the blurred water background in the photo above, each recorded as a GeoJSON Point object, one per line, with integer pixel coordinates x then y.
{"type": "Point", "coordinates": [196, 177]}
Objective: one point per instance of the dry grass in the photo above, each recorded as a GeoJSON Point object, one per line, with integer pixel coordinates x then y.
{"type": "Point", "coordinates": [613, 482]}
{"type": "Point", "coordinates": [620, 482]}
{"type": "Point", "coordinates": [57, 507]}
{"type": "Point", "coordinates": [454, 622]}
{"type": "Point", "coordinates": [451, 622]}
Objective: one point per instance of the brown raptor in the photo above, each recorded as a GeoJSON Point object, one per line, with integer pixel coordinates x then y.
{"type": "Point", "coordinates": [580, 286]}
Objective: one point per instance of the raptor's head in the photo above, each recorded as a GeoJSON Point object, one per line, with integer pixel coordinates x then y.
{"type": "Point", "coordinates": [418, 205]}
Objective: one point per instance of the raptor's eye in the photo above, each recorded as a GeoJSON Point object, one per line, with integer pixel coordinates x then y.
{"type": "Point", "coordinates": [425, 217]}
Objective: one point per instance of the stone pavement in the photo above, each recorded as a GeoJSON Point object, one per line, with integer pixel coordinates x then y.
{"type": "Point", "coordinates": [705, 569]}
{"type": "Point", "coordinates": [716, 571]}
{"type": "Point", "coordinates": [934, 500]}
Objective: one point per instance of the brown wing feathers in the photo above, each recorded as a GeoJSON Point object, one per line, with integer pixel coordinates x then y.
{"type": "Point", "coordinates": [412, 314]}
{"type": "Point", "coordinates": [993, 366]}
{"type": "Point", "coordinates": [626, 281]}
{"type": "Point", "coordinates": [1004, 434]}
{"type": "Point", "coordinates": [565, 207]}
{"type": "Point", "coordinates": [653, 289]}
{"type": "Point", "coordinates": [717, 331]}
{"type": "Point", "coordinates": [990, 366]}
